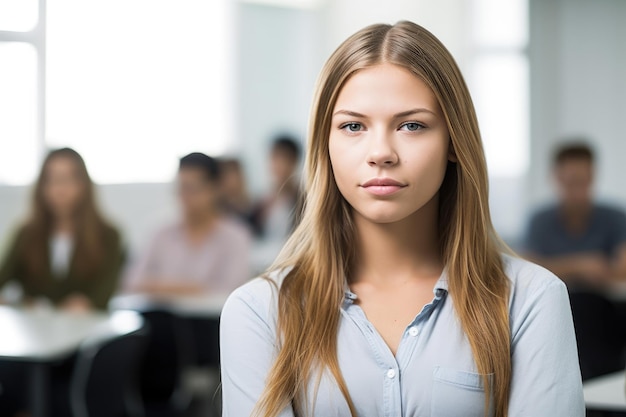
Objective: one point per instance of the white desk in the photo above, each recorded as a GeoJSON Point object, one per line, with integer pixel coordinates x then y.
{"type": "Point", "coordinates": [39, 337]}
{"type": "Point", "coordinates": [606, 393]}
{"type": "Point", "coordinates": [200, 306]}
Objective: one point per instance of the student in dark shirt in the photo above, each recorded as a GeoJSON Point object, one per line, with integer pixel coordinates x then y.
{"type": "Point", "coordinates": [581, 241]}
{"type": "Point", "coordinates": [584, 243]}
{"type": "Point", "coordinates": [65, 253]}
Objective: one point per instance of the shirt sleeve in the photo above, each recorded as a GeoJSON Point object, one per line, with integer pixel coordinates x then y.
{"type": "Point", "coordinates": [247, 348]}
{"type": "Point", "coordinates": [9, 267]}
{"type": "Point", "coordinates": [107, 280]}
{"type": "Point", "coordinates": [546, 374]}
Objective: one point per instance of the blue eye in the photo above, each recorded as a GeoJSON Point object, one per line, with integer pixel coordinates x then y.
{"type": "Point", "coordinates": [352, 127]}
{"type": "Point", "coordinates": [412, 126]}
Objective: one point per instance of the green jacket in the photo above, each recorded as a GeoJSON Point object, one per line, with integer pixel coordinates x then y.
{"type": "Point", "coordinates": [98, 287]}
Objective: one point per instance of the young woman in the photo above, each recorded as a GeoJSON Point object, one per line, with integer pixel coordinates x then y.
{"type": "Point", "coordinates": [392, 297]}
{"type": "Point", "coordinates": [66, 253]}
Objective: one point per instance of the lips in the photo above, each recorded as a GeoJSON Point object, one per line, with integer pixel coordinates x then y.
{"type": "Point", "coordinates": [382, 186]}
{"type": "Point", "coordinates": [382, 182]}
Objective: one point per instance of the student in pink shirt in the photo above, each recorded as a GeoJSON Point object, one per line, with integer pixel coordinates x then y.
{"type": "Point", "coordinates": [206, 251]}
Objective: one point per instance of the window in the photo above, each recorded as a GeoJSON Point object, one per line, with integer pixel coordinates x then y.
{"type": "Point", "coordinates": [134, 85]}
{"type": "Point", "coordinates": [18, 112]}
{"type": "Point", "coordinates": [499, 80]}
{"type": "Point", "coordinates": [500, 85]}
{"type": "Point", "coordinates": [18, 15]}
{"type": "Point", "coordinates": [131, 85]}
{"type": "Point", "coordinates": [502, 103]}
{"type": "Point", "coordinates": [20, 45]}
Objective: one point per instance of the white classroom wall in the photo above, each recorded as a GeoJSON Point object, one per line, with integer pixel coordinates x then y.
{"type": "Point", "coordinates": [578, 87]}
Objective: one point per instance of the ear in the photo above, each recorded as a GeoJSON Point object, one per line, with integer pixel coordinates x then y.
{"type": "Point", "coordinates": [451, 153]}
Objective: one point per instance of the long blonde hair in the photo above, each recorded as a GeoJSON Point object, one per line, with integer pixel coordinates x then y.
{"type": "Point", "coordinates": [320, 252]}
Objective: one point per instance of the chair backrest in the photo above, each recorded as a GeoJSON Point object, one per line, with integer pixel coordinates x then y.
{"type": "Point", "coordinates": [599, 334]}
{"type": "Point", "coordinates": [169, 353]}
{"type": "Point", "coordinates": [105, 379]}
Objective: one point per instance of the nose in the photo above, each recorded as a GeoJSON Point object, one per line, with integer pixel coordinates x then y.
{"type": "Point", "coordinates": [382, 152]}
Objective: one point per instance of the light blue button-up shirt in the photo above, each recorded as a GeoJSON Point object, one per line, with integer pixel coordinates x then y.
{"type": "Point", "coordinates": [433, 372]}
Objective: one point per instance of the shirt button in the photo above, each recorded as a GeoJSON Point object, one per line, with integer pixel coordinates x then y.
{"type": "Point", "coordinates": [391, 373]}
{"type": "Point", "coordinates": [413, 331]}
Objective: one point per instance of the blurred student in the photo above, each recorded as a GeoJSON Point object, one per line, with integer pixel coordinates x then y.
{"type": "Point", "coordinates": [275, 215]}
{"type": "Point", "coordinates": [205, 251]}
{"type": "Point", "coordinates": [66, 253]}
{"type": "Point", "coordinates": [235, 198]}
{"type": "Point", "coordinates": [584, 243]}
{"type": "Point", "coordinates": [581, 241]}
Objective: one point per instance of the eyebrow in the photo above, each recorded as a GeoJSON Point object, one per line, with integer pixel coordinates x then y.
{"type": "Point", "coordinates": [395, 116]}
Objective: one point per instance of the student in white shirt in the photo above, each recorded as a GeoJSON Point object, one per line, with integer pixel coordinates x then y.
{"type": "Point", "coordinates": [393, 296]}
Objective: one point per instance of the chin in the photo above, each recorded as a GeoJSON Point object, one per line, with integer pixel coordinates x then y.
{"type": "Point", "coordinates": [383, 217]}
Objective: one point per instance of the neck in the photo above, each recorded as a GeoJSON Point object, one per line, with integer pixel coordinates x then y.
{"type": "Point", "coordinates": [64, 224]}
{"type": "Point", "coordinates": [579, 209]}
{"type": "Point", "coordinates": [200, 221]}
{"type": "Point", "coordinates": [576, 217]}
{"type": "Point", "coordinates": [396, 251]}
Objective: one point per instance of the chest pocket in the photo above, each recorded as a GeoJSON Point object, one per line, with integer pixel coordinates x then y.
{"type": "Point", "coordinates": [458, 393]}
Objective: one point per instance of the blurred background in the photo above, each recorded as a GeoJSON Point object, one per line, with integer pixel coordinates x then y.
{"type": "Point", "coordinates": [134, 85]}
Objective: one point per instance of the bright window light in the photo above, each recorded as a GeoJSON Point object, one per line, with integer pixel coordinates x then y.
{"type": "Point", "coordinates": [18, 113]}
{"type": "Point", "coordinates": [18, 15]}
{"type": "Point", "coordinates": [498, 77]}
{"type": "Point", "coordinates": [296, 4]}
{"type": "Point", "coordinates": [134, 85]}
{"type": "Point", "coordinates": [500, 23]}
{"type": "Point", "coordinates": [501, 99]}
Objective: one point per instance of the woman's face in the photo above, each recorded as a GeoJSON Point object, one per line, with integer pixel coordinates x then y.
{"type": "Point", "coordinates": [62, 188]}
{"type": "Point", "coordinates": [388, 143]}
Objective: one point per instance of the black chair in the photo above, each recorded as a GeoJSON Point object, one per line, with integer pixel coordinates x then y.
{"type": "Point", "coordinates": [104, 382]}
{"type": "Point", "coordinates": [207, 395]}
{"type": "Point", "coordinates": [169, 354]}
{"type": "Point", "coordinates": [600, 334]}
{"type": "Point", "coordinates": [206, 333]}
{"type": "Point", "coordinates": [13, 387]}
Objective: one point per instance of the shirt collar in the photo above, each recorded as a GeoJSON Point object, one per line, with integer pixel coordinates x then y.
{"type": "Point", "coordinates": [441, 286]}
{"type": "Point", "coordinates": [439, 290]}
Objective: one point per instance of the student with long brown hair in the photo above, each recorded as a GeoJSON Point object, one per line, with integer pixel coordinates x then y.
{"type": "Point", "coordinates": [394, 296]}
{"type": "Point", "coordinates": [66, 252]}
